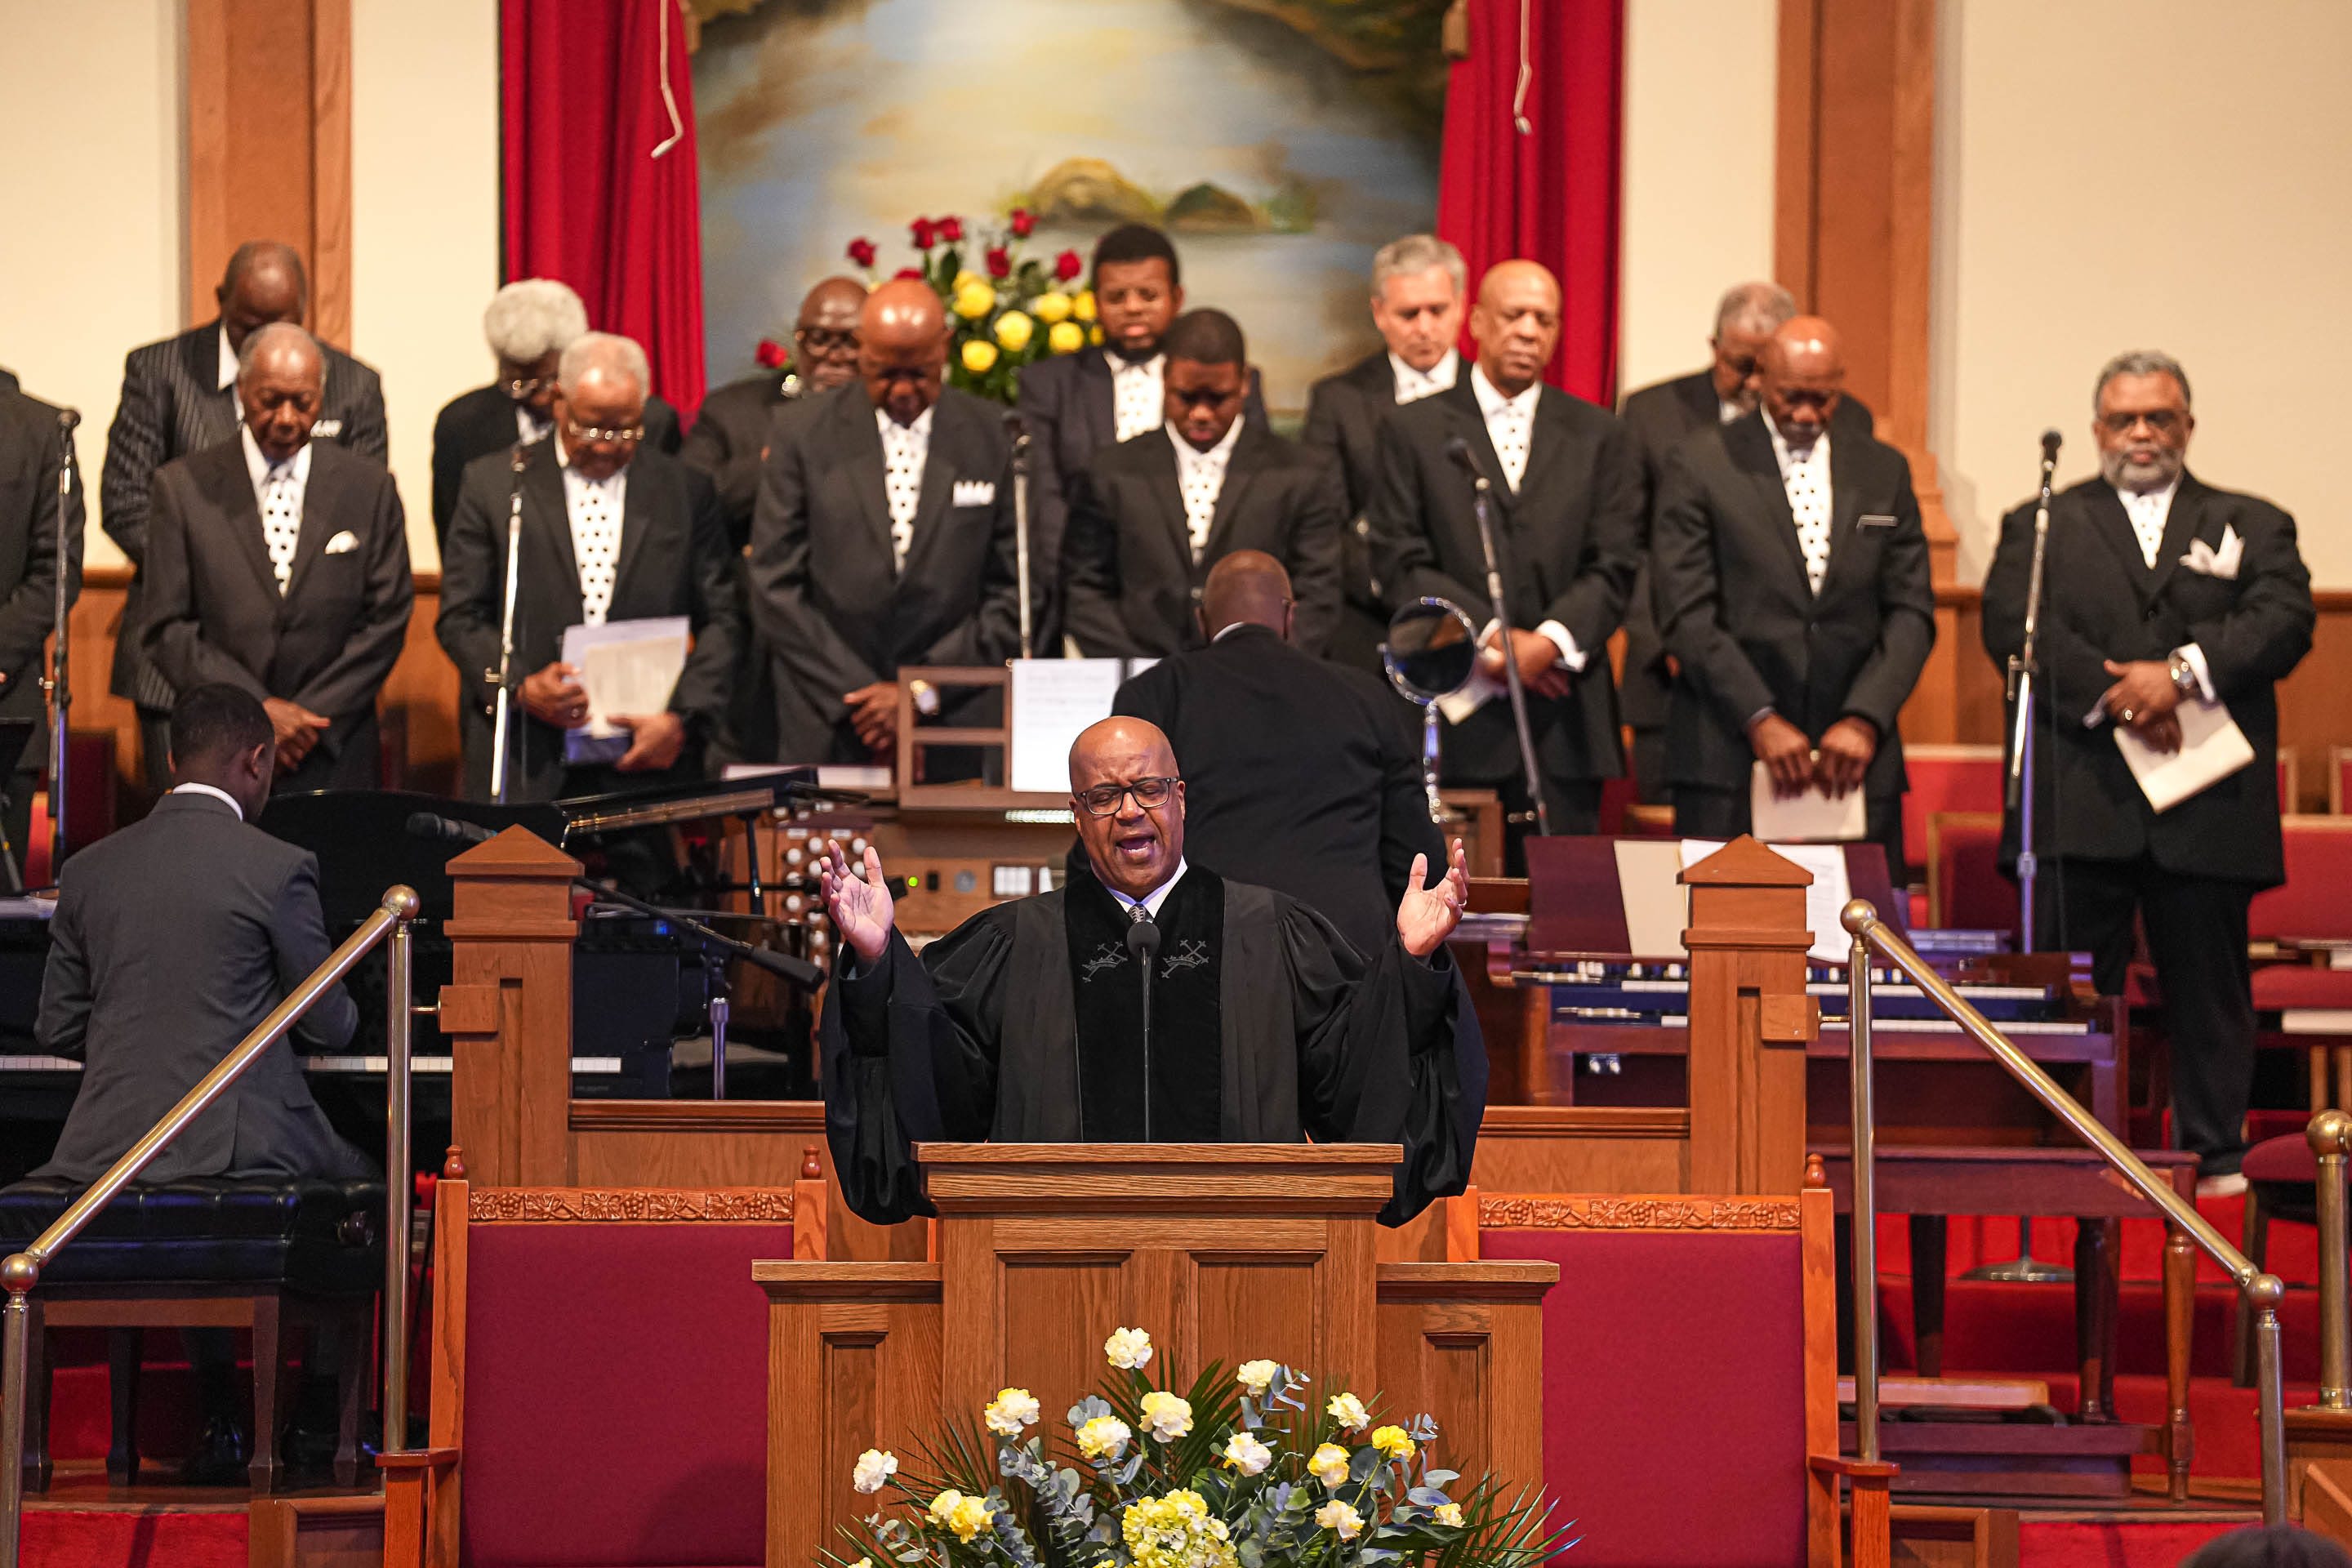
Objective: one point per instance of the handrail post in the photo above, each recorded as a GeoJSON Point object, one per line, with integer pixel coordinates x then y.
{"type": "Point", "coordinates": [2327, 1136]}
{"type": "Point", "coordinates": [1865, 1206]}
{"type": "Point", "coordinates": [19, 1274]}
{"type": "Point", "coordinates": [399, 1019]}
{"type": "Point", "coordinates": [2263, 1293]}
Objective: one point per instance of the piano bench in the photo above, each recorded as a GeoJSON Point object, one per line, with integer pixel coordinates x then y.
{"type": "Point", "coordinates": [265, 1255]}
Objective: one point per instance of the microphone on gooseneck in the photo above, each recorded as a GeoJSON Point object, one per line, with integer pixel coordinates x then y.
{"type": "Point", "coordinates": [2051, 442]}
{"type": "Point", "coordinates": [1142, 934]}
{"type": "Point", "coordinates": [433, 825]}
{"type": "Point", "coordinates": [1457, 450]}
{"type": "Point", "coordinates": [1143, 941]}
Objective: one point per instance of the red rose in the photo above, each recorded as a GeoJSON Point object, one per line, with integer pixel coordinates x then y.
{"type": "Point", "coordinates": [861, 251]}
{"type": "Point", "coordinates": [926, 231]}
{"type": "Point", "coordinates": [907, 272]}
{"type": "Point", "coordinates": [1023, 222]}
{"type": "Point", "coordinates": [771, 355]}
{"type": "Point", "coordinates": [951, 230]}
{"type": "Point", "coordinates": [1067, 266]}
{"type": "Point", "coordinates": [1000, 261]}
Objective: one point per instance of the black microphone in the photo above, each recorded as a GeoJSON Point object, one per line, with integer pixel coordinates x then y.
{"type": "Point", "coordinates": [1457, 450]}
{"type": "Point", "coordinates": [2051, 442]}
{"type": "Point", "coordinates": [432, 825]}
{"type": "Point", "coordinates": [68, 418]}
{"type": "Point", "coordinates": [1143, 941]}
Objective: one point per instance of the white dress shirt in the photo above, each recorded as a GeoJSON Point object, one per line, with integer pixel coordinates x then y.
{"type": "Point", "coordinates": [593, 508]}
{"type": "Point", "coordinates": [227, 360]}
{"type": "Point", "coordinates": [1730, 412]}
{"type": "Point", "coordinates": [905, 450]}
{"type": "Point", "coordinates": [219, 795]}
{"type": "Point", "coordinates": [1412, 386]}
{"type": "Point", "coordinates": [1511, 427]}
{"type": "Point", "coordinates": [1137, 400]}
{"type": "Point", "coordinates": [277, 490]}
{"type": "Point", "coordinates": [1805, 476]}
{"type": "Point", "coordinates": [530, 428]}
{"type": "Point", "coordinates": [1201, 479]}
{"type": "Point", "coordinates": [1152, 900]}
{"type": "Point", "coordinates": [2149, 510]}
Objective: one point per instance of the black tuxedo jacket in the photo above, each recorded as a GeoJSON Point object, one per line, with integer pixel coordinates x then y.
{"type": "Point", "coordinates": [1127, 566]}
{"type": "Point", "coordinates": [1735, 609]}
{"type": "Point", "coordinates": [1661, 417]}
{"type": "Point", "coordinates": [1302, 774]}
{"type": "Point", "coordinates": [475, 424]}
{"type": "Point", "coordinates": [731, 431]}
{"type": "Point", "coordinates": [833, 611]}
{"type": "Point", "coordinates": [674, 561]}
{"type": "Point", "coordinates": [213, 612]}
{"type": "Point", "coordinates": [29, 447]}
{"type": "Point", "coordinates": [173, 404]}
{"type": "Point", "coordinates": [2101, 602]}
{"type": "Point", "coordinates": [1072, 413]}
{"type": "Point", "coordinates": [1568, 543]}
{"type": "Point", "coordinates": [1343, 415]}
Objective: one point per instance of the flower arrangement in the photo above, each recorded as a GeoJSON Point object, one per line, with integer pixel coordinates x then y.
{"type": "Point", "coordinates": [1238, 1471]}
{"type": "Point", "coordinates": [1012, 310]}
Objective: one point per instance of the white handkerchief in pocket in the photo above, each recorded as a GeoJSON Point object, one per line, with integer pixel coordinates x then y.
{"type": "Point", "coordinates": [976, 492]}
{"type": "Point", "coordinates": [2209, 561]}
{"type": "Point", "coordinates": [343, 544]}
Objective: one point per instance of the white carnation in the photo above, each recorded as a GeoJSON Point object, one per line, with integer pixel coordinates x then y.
{"type": "Point", "coordinates": [874, 1468]}
{"type": "Point", "coordinates": [1255, 1377]}
{"type": "Point", "coordinates": [1128, 1349]}
{"type": "Point", "coordinates": [1244, 1453]}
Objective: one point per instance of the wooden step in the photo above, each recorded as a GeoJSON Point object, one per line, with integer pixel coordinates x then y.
{"type": "Point", "coordinates": [1902, 1392]}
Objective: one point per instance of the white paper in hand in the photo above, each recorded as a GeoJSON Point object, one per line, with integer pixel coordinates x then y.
{"type": "Point", "coordinates": [2212, 747]}
{"type": "Point", "coordinates": [1812, 817]}
{"type": "Point", "coordinates": [625, 667]}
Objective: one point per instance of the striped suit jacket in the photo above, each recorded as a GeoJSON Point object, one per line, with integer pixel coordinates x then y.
{"type": "Point", "coordinates": [173, 404]}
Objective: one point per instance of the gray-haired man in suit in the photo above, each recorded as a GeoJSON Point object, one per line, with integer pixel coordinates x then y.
{"type": "Point", "coordinates": [179, 396]}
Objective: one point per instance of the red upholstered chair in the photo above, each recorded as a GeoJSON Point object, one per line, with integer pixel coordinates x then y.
{"type": "Point", "coordinates": [600, 1378]}
{"type": "Point", "coordinates": [1965, 887]}
{"type": "Point", "coordinates": [1690, 1378]}
{"type": "Point", "coordinates": [2295, 995]}
{"type": "Point", "coordinates": [1948, 779]}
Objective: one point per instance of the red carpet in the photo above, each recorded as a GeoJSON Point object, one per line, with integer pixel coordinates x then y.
{"type": "Point", "coordinates": [61, 1539]}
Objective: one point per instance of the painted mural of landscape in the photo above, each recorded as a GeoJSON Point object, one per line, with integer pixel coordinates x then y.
{"type": "Point", "coordinates": [1282, 141]}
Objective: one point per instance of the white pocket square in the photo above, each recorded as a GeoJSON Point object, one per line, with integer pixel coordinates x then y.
{"type": "Point", "coordinates": [326, 429]}
{"type": "Point", "coordinates": [976, 492]}
{"type": "Point", "coordinates": [343, 544]}
{"type": "Point", "coordinates": [2207, 560]}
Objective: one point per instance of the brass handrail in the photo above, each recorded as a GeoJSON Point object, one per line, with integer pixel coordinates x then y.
{"type": "Point", "coordinates": [22, 1270]}
{"type": "Point", "coordinates": [2262, 1291]}
{"type": "Point", "coordinates": [2330, 1137]}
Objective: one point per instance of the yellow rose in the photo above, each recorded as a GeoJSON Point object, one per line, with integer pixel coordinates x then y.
{"type": "Point", "coordinates": [1065, 338]}
{"type": "Point", "coordinates": [979, 356]}
{"type": "Point", "coordinates": [1392, 1443]}
{"type": "Point", "coordinates": [1013, 330]}
{"type": "Point", "coordinates": [1083, 307]}
{"type": "Point", "coordinates": [974, 300]}
{"type": "Point", "coordinates": [967, 278]}
{"type": "Point", "coordinates": [1094, 335]}
{"type": "Point", "coordinates": [1052, 307]}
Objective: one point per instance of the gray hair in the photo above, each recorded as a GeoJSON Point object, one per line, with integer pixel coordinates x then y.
{"type": "Point", "coordinates": [1761, 308]}
{"type": "Point", "coordinates": [607, 351]}
{"type": "Point", "coordinates": [275, 334]}
{"type": "Point", "coordinates": [533, 317]}
{"type": "Point", "coordinates": [2140, 362]}
{"type": "Point", "coordinates": [1415, 254]}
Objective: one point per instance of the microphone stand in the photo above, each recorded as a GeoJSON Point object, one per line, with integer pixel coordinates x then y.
{"type": "Point", "coordinates": [502, 715]}
{"type": "Point", "coordinates": [1019, 429]}
{"type": "Point", "coordinates": [59, 684]}
{"type": "Point", "coordinates": [1482, 505]}
{"type": "Point", "coordinates": [1143, 941]}
{"type": "Point", "coordinates": [2022, 668]}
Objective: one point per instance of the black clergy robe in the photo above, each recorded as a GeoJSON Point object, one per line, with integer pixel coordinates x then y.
{"type": "Point", "coordinates": [980, 1040]}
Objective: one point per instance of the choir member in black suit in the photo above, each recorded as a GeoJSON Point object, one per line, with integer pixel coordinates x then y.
{"type": "Point", "coordinates": [31, 445]}
{"type": "Point", "coordinates": [611, 532]}
{"type": "Point", "coordinates": [1158, 511]}
{"type": "Point", "coordinates": [1790, 574]}
{"type": "Point", "coordinates": [178, 397]}
{"type": "Point", "coordinates": [1567, 503]}
{"type": "Point", "coordinates": [1303, 773]}
{"type": "Point", "coordinates": [730, 429]}
{"type": "Point", "coordinates": [278, 564]}
{"type": "Point", "coordinates": [1077, 404]}
{"type": "Point", "coordinates": [529, 324]}
{"type": "Point", "coordinates": [1420, 288]}
{"type": "Point", "coordinates": [2160, 593]}
{"type": "Point", "coordinates": [883, 536]}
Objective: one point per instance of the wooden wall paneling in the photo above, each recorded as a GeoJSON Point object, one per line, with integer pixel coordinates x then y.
{"type": "Point", "coordinates": [329, 253]}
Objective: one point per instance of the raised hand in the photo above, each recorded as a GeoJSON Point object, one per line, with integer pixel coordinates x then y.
{"type": "Point", "coordinates": [1427, 916]}
{"type": "Point", "coordinates": [862, 911]}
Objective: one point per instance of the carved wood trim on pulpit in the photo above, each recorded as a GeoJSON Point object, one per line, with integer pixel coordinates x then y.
{"type": "Point", "coordinates": [631, 1206]}
{"type": "Point", "coordinates": [1629, 1214]}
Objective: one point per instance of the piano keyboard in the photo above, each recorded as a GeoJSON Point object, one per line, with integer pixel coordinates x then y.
{"type": "Point", "coordinates": [346, 1065]}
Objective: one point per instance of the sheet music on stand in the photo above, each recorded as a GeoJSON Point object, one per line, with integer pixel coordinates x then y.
{"type": "Point", "coordinates": [1825, 900]}
{"type": "Point", "coordinates": [1049, 703]}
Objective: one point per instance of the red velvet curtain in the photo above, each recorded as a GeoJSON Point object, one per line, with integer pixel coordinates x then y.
{"type": "Point", "coordinates": [1551, 194]}
{"type": "Point", "coordinates": [587, 201]}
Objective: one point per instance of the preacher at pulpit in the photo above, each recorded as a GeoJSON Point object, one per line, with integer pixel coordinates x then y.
{"type": "Point", "coordinates": [1026, 1024]}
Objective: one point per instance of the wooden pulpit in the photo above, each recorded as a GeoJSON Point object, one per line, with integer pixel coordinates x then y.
{"type": "Point", "coordinates": [1223, 1252]}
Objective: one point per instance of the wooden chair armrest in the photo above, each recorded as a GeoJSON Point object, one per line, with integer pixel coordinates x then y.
{"type": "Point", "coordinates": [1881, 1470]}
{"type": "Point", "coordinates": [418, 1459]}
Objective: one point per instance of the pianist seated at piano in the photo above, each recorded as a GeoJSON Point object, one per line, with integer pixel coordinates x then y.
{"type": "Point", "coordinates": [1145, 1001]}
{"type": "Point", "coordinates": [611, 532]}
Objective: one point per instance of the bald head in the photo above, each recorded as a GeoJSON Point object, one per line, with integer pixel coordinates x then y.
{"type": "Point", "coordinates": [902, 348]}
{"type": "Point", "coordinates": [825, 334]}
{"type": "Point", "coordinates": [1246, 587]}
{"type": "Point", "coordinates": [280, 382]}
{"type": "Point", "coordinates": [263, 283]}
{"type": "Point", "coordinates": [1515, 323]}
{"type": "Point", "coordinates": [1802, 379]}
{"type": "Point", "coordinates": [1134, 836]}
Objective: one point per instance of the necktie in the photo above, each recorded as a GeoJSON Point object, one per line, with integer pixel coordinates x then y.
{"type": "Point", "coordinates": [902, 482]}
{"type": "Point", "coordinates": [1137, 403]}
{"type": "Point", "coordinates": [1202, 479]}
{"type": "Point", "coordinates": [281, 525]}
{"type": "Point", "coordinates": [1508, 430]}
{"type": "Point", "coordinates": [597, 539]}
{"type": "Point", "coordinates": [2147, 524]}
{"type": "Point", "coordinates": [1808, 503]}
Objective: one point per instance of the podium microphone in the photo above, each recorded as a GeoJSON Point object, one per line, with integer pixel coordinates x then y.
{"type": "Point", "coordinates": [1143, 941]}
{"type": "Point", "coordinates": [2051, 442]}
{"type": "Point", "coordinates": [1458, 452]}
{"type": "Point", "coordinates": [1016, 430]}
